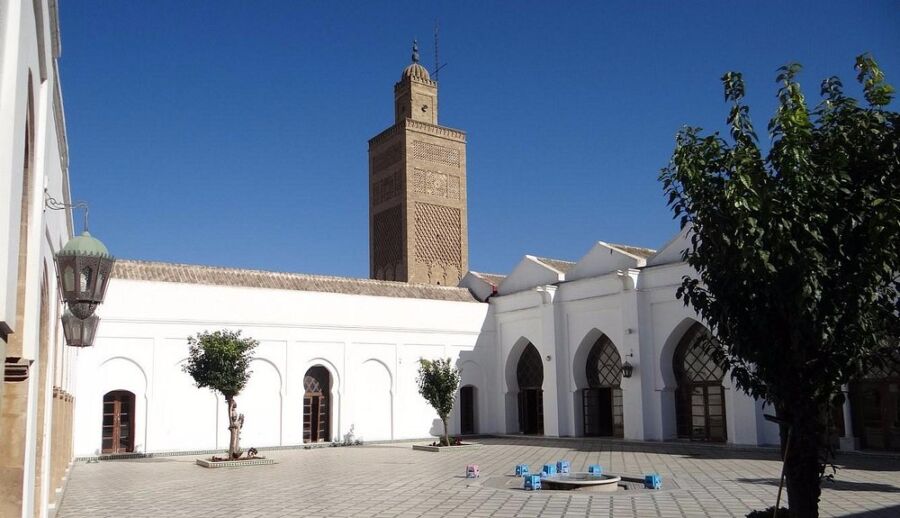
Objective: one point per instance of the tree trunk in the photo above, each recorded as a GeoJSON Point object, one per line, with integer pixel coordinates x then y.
{"type": "Point", "coordinates": [233, 428]}
{"type": "Point", "coordinates": [802, 472]}
{"type": "Point", "coordinates": [446, 439]}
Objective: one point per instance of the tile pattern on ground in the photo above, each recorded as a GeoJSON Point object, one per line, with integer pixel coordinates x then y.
{"type": "Point", "coordinates": [392, 480]}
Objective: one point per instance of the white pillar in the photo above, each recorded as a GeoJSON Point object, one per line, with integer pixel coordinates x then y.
{"type": "Point", "coordinates": [848, 442]}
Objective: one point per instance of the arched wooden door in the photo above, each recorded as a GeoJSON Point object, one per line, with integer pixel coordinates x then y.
{"type": "Point", "coordinates": [875, 401]}
{"type": "Point", "coordinates": [316, 415]}
{"type": "Point", "coordinates": [118, 422]}
{"type": "Point", "coordinates": [700, 397]}
{"type": "Point", "coordinates": [530, 376]}
{"type": "Point", "coordinates": [602, 400]}
{"type": "Point", "coordinates": [467, 410]}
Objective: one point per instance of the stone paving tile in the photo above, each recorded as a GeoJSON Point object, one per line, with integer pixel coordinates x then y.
{"type": "Point", "coordinates": [392, 480]}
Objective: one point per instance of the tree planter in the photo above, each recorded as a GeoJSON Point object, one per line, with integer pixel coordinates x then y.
{"type": "Point", "coordinates": [257, 461]}
{"type": "Point", "coordinates": [444, 449]}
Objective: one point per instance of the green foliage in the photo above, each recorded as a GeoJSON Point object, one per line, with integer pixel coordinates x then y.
{"type": "Point", "coordinates": [438, 381]}
{"type": "Point", "coordinates": [797, 250]}
{"type": "Point", "coordinates": [220, 361]}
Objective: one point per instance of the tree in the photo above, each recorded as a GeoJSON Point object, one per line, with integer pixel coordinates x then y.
{"type": "Point", "coordinates": [438, 381]}
{"type": "Point", "coordinates": [796, 252]}
{"type": "Point", "coordinates": [220, 361]}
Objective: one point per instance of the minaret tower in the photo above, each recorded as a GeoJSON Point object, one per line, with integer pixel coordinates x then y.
{"type": "Point", "coordinates": [417, 189]}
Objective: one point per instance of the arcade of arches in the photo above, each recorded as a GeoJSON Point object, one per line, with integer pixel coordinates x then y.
{"type": "Point", "coordinates": [607, 405]}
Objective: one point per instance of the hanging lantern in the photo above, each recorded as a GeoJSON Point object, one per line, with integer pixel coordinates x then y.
{"type": "Point", "coordinates": [627, 369]}
{"type": "Point", "coordinates": [79, 332]}
{"type": "Point", "coordinates": [83, 267]}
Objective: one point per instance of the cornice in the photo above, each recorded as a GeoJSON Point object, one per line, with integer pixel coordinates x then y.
{"type": "Point", "coordinates": [420, 127]}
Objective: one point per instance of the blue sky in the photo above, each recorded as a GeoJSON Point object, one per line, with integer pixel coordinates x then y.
{"type": "Point", "coordinates": [235, 133]}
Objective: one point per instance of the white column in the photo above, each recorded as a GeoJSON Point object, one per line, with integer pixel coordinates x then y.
{"type": "Point", "coordinates": [848, 442]}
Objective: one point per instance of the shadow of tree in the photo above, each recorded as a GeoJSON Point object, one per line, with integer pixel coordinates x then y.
{"type": "Point", "coordinates": [888, 512]}
{"type": "Point", "coordinates": [835, 485]}
{"type": "Point", "coordinates": [866, 462]}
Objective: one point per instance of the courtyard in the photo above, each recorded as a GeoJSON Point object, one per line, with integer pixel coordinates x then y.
{"type": "Point", "coordinates": [392, 480]}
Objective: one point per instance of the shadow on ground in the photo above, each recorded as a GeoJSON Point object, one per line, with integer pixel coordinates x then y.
{"type": "Point", "coordinates": [836, 485]}
{"type": "Point", "coordinates": [866, 462]}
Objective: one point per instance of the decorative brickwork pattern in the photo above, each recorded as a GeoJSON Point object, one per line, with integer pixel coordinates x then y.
{"type": "Point", "coordinates": [387, 188]}
{"type": "Point", "coordinates": [387, 158]}
{"type": "Point", "coordinates": [387, 238]}
{"type": "Point", "coordinates": [438, 231]}
{"type": "Point", "coordinates": [453, 190]}
{"type": "Point", "coordinates": [436, 184]}
{"type": "Point", "coordinates": [435, 153]}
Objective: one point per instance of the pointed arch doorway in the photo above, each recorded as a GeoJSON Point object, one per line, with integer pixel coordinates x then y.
{"type": "Point", "coordinates": [316, 405]}
{"type": "Point", "coordinates": [602, 400]}
{"type": "Point", "coordinates": [700, 396]}
{"type": "Point", "coordinates": [875, 404]}
{"type": "Point", "coordinates": [530, 377]}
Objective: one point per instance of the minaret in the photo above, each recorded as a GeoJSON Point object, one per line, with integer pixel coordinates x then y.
{"type": "Point", "coordinates": [417, 189]}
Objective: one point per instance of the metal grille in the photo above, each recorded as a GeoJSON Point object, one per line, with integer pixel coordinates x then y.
{"type": "Point", "coordinates": [530, 370]}
{"type": "Point", "coordinates": [693, 361]}
{"type": "Point", "coordinates": [316, 381]}
{"type": "Point", "coordinates": [604, 365]}
{"type": "Point", "coordinates": [890, 368]}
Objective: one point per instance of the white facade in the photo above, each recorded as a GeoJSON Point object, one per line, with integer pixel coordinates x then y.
{"type": "Point", "coordinates": [35, 397]}
{"type": "Point", "coordinates": [370, 346]}
{"type": "Point", "coordinates": [563, 309]}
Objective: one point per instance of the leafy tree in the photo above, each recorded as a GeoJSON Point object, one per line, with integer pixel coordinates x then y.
{"type": "Point", "coordinates": [438, 381]}
{"type": "Point", "coordinates": [796, 251]}
{"type": "Point", "coordinates": [220, 361]}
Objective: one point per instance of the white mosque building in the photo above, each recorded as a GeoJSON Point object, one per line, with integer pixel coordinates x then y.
{"type": "Point", "coordinates": [599, 347]}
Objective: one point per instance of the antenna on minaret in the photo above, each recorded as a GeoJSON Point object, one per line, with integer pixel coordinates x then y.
{"type": "Point", "coordinates": [437, 57]}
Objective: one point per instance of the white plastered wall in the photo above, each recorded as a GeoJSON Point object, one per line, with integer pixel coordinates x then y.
{"type": "Point", "coordinates": [370, 346]}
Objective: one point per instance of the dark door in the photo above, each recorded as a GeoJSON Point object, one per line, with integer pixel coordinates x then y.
{"type": "Point", "coordinates": [467, 410]}
{"type": "Point", "coordinates": [598, 412]}
{"type": "Point", "coordinates": [876, 406]}
{"type": "Point", "coordinates": [118, 422]}
{"type": "Point", "coordinates": [531, 411]}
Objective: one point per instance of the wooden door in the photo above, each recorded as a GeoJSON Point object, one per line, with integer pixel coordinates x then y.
{"type": "Point", "coordinates": [118, 422]}
{"type": "Point", "coordinates": [531, 411]}
{"type": "Point", "coordinates": [315, 418]}
{"type": "Point", "coordinates": [876, 405]}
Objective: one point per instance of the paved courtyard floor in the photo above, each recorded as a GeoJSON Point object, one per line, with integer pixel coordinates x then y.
{"type": "Point", "coordinates": [392, 480]}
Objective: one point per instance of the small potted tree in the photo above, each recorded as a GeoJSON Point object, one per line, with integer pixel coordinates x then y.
{"type": "Point", "coordinates": [220, 361]}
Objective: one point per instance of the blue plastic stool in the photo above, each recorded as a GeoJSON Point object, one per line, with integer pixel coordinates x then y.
{"type": "Point", "coordinates": [521, 470]}
{"type": "Point", "coordinates": [595, 469]}
{"type": "Point", "coordinates": [562, 466]}
{"type": "Point", "coordinates": [549, 469]}
{"type": "Point", "coordinates": [653, 481]}
{"type": "Point", "coordinates": [532, 482]}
